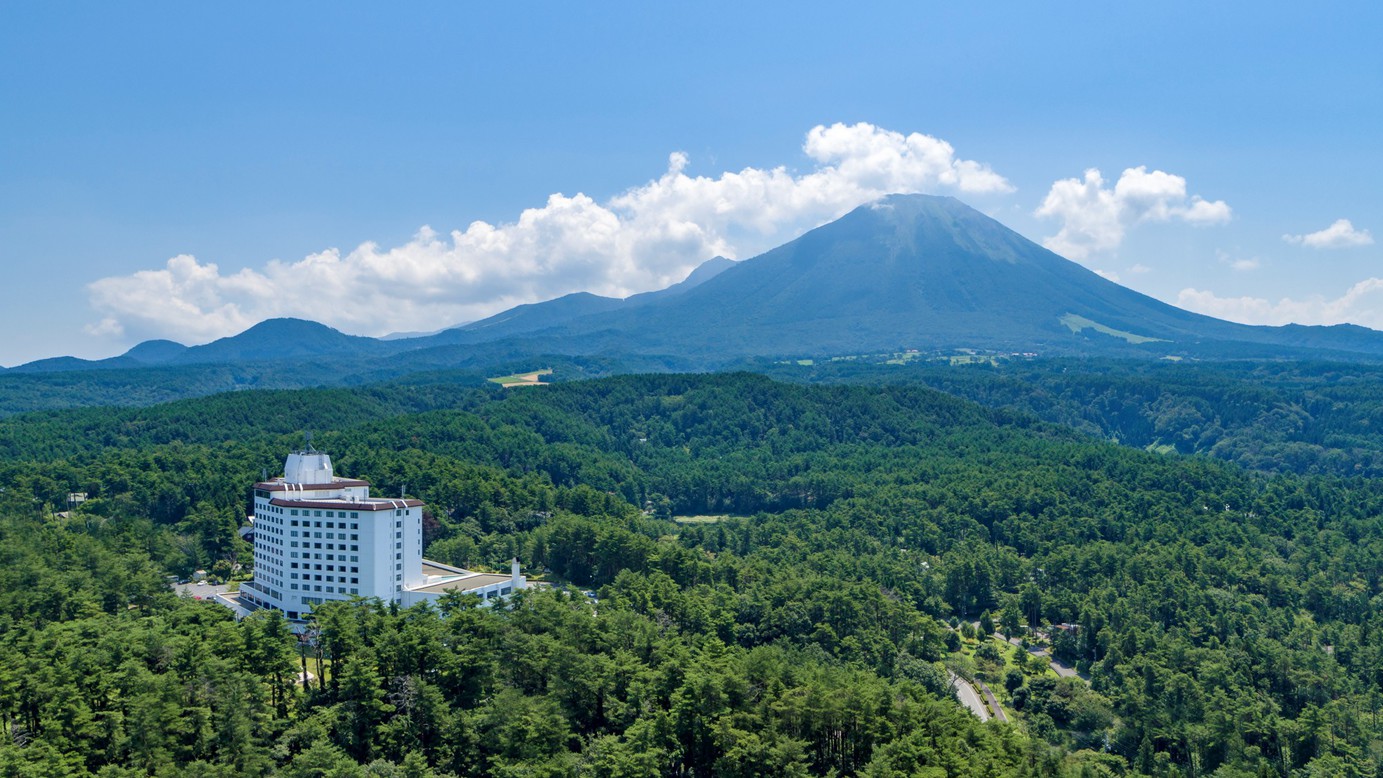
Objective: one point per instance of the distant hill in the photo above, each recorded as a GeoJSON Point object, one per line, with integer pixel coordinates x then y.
{"type": "Point", "coordinates": [283, 339]}
{"type": "Point", "coordinates": [71, 365]}
{"type": "Point", "coordinates": [153, 352]}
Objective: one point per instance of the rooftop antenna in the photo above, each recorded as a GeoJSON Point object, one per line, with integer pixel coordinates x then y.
{"type": "Point", "coordinates": [403, 490]}
{"type": "Point", "coordinates": [264, 474]}
{"type": "Point", "coordinates": [309, 441]}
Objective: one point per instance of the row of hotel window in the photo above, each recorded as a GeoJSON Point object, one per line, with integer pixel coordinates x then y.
{"type": "Point", "coordinates": [266, 543]}
{"type": "Point", "coordinates": [266, 519]}
{"type": "Point", "coordinates": [330, 524]}
{"type": "Point", "coordinates": [305, 512]}
{"type": "Point", "coordinates": [355, 525]}
{"type": "Point", "coordinates": [329, 578]}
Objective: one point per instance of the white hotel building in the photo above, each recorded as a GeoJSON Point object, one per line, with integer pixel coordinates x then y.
{"type": "Point", "coordinates": [318, 537]}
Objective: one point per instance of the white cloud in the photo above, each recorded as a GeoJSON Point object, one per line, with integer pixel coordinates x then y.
{"type": "Point", "coordinates": [1340, 235]}
{"type": "Point", "coordinates": [1140, 269]}
{"type": "Point", "coordinates": [645, 238]}
{"type": "Point", "coordinates": [1241, 264]}
{"type": "Point", "coordinates": [1094, 217]}
{"type": "Point", "coordinates": [1361, 304]}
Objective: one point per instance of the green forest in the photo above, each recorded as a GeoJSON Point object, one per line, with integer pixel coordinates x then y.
{"type": "Point", "coordinates": [745, 576]}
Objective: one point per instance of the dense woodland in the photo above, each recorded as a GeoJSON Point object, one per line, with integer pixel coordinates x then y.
{"type": "Point", "coordinates": [1228, 616]}
{"type": "Point", "coordinates": [1280, 416]}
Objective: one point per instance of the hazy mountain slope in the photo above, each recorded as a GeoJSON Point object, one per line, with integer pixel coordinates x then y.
{"type": "Point", "coordinates": [72, 364]}
{"type": "Point", "coordinates": [703, 273]}
{"type": "Point", "coordinates": [531, 317]}
{"type": "Point", "coordinates": [558, 312]}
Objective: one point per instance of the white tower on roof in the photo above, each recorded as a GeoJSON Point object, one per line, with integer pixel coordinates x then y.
{"type": "Point", "coordinates": [307, 467]}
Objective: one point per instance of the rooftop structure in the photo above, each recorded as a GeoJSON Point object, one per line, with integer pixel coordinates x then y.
{"type": "Point", "coordinates": [320, 537]}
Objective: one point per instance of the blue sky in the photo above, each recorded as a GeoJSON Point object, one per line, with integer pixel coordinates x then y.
{"type": "Point", "coordinates": [184, 170]}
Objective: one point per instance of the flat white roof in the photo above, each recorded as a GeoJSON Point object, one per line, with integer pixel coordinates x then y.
{"type": "Point", "coordinates": [465, 583]}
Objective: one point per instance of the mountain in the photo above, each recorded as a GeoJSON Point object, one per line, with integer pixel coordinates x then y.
{"type": "Point", "coordinates": [150, 352]}
{"type": "Point", "coordinates": [153, 352]}
{"type": "Point", "coordinates": [536, 317]}
{"type": "Point", "coordinates": [279, 338]}
{"type": "Point", "coordinates": [282, 340]}
{"type": "Point", "coordinates": [923, 272]}
{"type": "Point", "coordinates": [71, 365]}
{"type": "Point", "coordinates": [406, 335]}
{"type": "Point", "coordinates": [703, 273]}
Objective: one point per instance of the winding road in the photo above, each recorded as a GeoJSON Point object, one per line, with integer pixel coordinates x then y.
{"type": "Point", "coordinates": [1062, 669]}
{"type": "Point", "coordinates": [969, 697]}
{"type": "Point", "coordinates": [993, 703]}
{"type": "Point", "coordinates": [981, 700]}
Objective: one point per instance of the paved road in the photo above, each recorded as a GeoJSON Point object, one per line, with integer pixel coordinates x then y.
{"type": "Point", "coordinates": [969, 697]}
{"type": "Point", "coordinates": [1062, 669]}
{"type": "Point", "coordinates": [993, 703]}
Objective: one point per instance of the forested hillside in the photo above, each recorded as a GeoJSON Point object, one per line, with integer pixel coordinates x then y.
{"type": "Point", "coordinates": [836, 543]}
{"type": "Point", "coordinates": [1280, 416]}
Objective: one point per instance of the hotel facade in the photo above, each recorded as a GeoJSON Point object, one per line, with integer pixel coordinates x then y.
{"type": "Point", "coordinates": [319, 537]}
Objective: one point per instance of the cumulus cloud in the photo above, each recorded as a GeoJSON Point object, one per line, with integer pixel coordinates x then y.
{"type": "Point", "coordinates": [644, 238]}
{"type": "Point", "coordinates": [1095, 217]}
{"type": "Point", "coordinates": [1340, 235]}
{"type": "Point", "coordinates": [1361, 304]}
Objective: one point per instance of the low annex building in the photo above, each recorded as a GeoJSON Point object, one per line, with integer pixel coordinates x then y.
{"type": "Point", "coordinates": [319, 537]}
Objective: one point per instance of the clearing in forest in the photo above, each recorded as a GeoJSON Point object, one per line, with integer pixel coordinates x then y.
{"type": "Point", "coordinates": [521, 379]}
{"type": "Point", "coordinates": [698, 519]}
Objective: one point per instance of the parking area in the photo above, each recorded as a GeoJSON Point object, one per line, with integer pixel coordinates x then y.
{"type": "Point", "coordinates": [204, 591]}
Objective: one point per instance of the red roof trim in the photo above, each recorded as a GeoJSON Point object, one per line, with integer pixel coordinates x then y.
{"type": "Point", "coordinates": [373, 505]}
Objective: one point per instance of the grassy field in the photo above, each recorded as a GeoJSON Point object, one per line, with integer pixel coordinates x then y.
{"type": "Point", "coordinates": [698, 519]}
{"type": "Point", "coordinates": [521, 379]}
{"type": "Point", "coordinates": [1076, 323]}
{"type": "Point", "coordinates": [973, 359]}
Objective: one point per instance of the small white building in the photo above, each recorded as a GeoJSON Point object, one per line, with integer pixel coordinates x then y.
{"type": "Point", "coordinates": [319, 537]}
